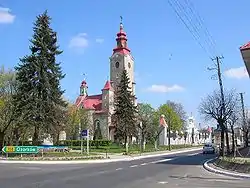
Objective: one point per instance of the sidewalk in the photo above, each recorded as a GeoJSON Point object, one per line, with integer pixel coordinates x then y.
{"type": "Point", "coordinates": [112, 158]}
{"type": "Point", "coordinates": [208, 165]}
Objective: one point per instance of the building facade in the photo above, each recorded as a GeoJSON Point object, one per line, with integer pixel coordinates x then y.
{"type": "Point", "coordinates": [245, 53]}
{"type": "Point", "coordinates": [100, 107]}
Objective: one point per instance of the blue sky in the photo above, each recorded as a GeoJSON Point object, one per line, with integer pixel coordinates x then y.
{"type": "Point", "coordinates": [169, 63]}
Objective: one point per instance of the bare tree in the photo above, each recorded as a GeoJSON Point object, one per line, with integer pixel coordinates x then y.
{"type": "Point", "coordinates": [212, 108]}
{"type": "Point", "coordinates": [232, 122]}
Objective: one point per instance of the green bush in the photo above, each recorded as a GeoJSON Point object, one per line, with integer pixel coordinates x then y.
{"type": "Point", "coordinates": [72, 143]}
{"type": "Point", "coordinates": [96, 143]}
{"type": "Point", "coordinates": [28, 143]}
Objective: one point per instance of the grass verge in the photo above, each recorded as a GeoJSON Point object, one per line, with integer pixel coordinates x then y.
{"type": "Point", "coordinates": [237, 164]}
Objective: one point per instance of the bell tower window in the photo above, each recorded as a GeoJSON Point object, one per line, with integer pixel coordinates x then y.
{"type": "Point", "coordinates": [117, 64]}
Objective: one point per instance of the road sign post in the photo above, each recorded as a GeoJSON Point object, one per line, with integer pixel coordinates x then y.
{"type": "Point", "coordinates": [85, 134]}
{"type": "Point", "coordinates": [20, 149]}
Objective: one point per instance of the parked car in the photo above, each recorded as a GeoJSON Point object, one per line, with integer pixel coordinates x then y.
{"type": "Point", "coordinates": [209, 148]}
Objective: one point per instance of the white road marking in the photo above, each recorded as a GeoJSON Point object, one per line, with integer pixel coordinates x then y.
{"type": "Point", "coordinates": [30, 168]}
{"type": "Point", "coordinates": [143, 164]}
{"type": "Point", "coordinates": [119, 169]}
{"type": "Point", "coordinates": [160, 161]}
{"type": "Point", "coordinates": [162, 182]}
{"type": "Point", "coordinates": [193, 154]}
{"type": "Point", "coordinates": [222, 180]}
{"type": "Point", "coordinates": [133, 166]}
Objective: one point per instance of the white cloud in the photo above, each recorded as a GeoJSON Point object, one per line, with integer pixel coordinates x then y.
{"type": "Point", "coordinates": [237, 73]}
{"type": "Point", "coordinates": [79, 41]}
{"type": "Point", "coordinates": [165, 89]}
{"type": "Point", "coordinates": [99, 40]}
{"type": "Point", "coordinates": [5, 16]}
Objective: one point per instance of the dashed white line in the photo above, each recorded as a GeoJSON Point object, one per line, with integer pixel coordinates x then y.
{"type": "Point", "coordinates": [162, 182]}
{"type": "Point", "coordinates": [119, 169]}
{"type": "Point", "coordinates": [193, 154]}
{"type": "Point", "coordinates": [133, 166]}
{"type": "Point", "coordinates": [143, 164]}
{"type": "Point", "coordinates": [160, 161]}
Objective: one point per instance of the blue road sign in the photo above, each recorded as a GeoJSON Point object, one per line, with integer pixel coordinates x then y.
{"type": "Point", "coordinates": [84, 132]}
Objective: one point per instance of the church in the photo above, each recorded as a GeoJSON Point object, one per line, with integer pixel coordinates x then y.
{"type": "Point", "coordinates": [100, 107]}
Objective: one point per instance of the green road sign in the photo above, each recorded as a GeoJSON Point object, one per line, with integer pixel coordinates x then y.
{"type": "Point", "coordinates": [20, 149]}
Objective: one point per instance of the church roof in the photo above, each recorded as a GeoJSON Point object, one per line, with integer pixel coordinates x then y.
{"type": "Point", "coordinates": [245, 46]}
{"type": "Point", "coordinates": [107, 86]}
{"type": "Point", "coordinates": [92, 102]}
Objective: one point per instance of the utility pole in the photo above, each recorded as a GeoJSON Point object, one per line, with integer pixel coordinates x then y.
{"type": "Point", "coordinates": [220, 83]}
{"type": "Point", "coordinates": [244, 118]}
{"type": "Point", "coordinates": [243, 109]}
{"type": "Point", "coordinates": [222, 110]}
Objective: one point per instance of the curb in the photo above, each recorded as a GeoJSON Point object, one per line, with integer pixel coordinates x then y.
{"type": "Point", "coordinates": [96, 161]}
{"type": "Point", "coordinates": [223, 172]}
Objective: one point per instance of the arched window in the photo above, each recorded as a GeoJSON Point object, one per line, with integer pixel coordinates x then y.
{"type": "Point", "coordinates": [97, 130]}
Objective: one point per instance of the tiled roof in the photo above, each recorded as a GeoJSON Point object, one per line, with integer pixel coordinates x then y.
{"type": "Point", "coordinates": [92, 102]}
{"type": "Point", "coordinates": [245, 46]}
{"type": "Point", "coordinates": [107, 86]}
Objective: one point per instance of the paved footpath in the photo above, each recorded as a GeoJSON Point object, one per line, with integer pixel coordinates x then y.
{"type": "Point", "coordinates": [175, 170]}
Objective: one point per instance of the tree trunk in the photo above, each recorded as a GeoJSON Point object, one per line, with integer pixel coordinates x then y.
{"type": "Point", "coordinates": [227, 141]}
{"type": "Point", "coordinates": [142, 142]}
{"type": "Point", "coordinates": [156, 144]}
{"type": "Point", "coordinates": [246, 137]}
{"type": "Point", "coordinates": [35, 136]}
{"type": "Point", "coordinates": [2, 134]}
{"type": "Point", "coordinates": [222, 152]}
{"type": "Point", "coordinates": [126, 143]}
{"type": "Point", "coordinates": [233, 140]}
{"type": "Point", "coordinates": [16, 136]}
{"type": "Point", "coordinates": [169, 138]}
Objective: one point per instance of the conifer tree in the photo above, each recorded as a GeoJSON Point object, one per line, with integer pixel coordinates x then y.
{"type": "Point", "coordinates": [39, 99]}
{"type": "Point", "coordinates": [125, 110]}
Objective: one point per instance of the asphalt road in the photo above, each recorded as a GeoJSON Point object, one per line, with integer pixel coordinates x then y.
{"type": "Point", "coordinates": [181, 170]}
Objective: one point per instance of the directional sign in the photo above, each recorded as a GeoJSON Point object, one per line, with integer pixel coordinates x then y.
{"type": "Point", "coordinates": [85, 132]}
{"type": "Point", "coordinates": [20, 149]}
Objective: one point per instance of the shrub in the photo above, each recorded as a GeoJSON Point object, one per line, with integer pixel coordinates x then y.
{"type": "Point", "coordinates": [96, 143]}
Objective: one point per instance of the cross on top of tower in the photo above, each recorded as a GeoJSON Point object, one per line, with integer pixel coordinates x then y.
{"type": "Point", "coordinates": [121, 25]}
{"type": "Point", "coordinates": [121, 40]}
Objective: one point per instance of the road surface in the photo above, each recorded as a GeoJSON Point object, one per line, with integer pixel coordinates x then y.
{"type": "Point", "coordinates": [179, 170]}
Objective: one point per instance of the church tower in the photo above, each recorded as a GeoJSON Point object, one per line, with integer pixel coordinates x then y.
{"type": "Point", "coordinates": [121, 59]}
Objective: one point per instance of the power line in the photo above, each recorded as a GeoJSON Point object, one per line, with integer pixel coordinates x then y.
{"type": "Point", "coordinates": [200, 21]}
{"type": "Point", "coordinates": [191, 21]}
{"type": "Point", "coordinates": [189, 18]}
{"type": "Point", "coordinates": [186, 25]}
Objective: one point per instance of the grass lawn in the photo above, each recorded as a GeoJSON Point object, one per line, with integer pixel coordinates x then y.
{"type": "Point", "coordinates": [114, 148]}
{"type": "Point", "coordinates": [237, 160]}
{"type": "Point", "coordinates": [237, 164]}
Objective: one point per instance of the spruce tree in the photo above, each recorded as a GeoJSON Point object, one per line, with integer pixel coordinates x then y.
{"type": "Point", "coordinates": [125, 110]}
{"type": "Point", "coordinates": [39, 96]}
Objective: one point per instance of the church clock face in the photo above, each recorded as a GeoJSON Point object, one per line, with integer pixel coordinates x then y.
{"type": "Point", "coordinates": [117, 64]}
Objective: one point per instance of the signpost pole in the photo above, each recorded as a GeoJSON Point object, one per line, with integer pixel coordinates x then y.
{"type": "Point", "coordinates": [87, 141]}
{"type": "Point", "coordinates": [81, 144]}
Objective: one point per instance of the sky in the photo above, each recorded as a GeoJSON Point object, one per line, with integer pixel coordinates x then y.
{"type": "Point", "coordinates": [169, 63]}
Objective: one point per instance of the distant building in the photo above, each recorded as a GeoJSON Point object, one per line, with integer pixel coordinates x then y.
{"type": "Point", "coordinates": [101, 106]}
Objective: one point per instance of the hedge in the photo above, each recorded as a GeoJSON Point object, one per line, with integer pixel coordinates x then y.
{"type": "Point", "coordinates": [95, 143]}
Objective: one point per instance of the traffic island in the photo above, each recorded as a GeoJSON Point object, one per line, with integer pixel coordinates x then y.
{"type": "Point", "coordinates": [229, 167]}
{"type": "Point", "coordinates": [237, 164]}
